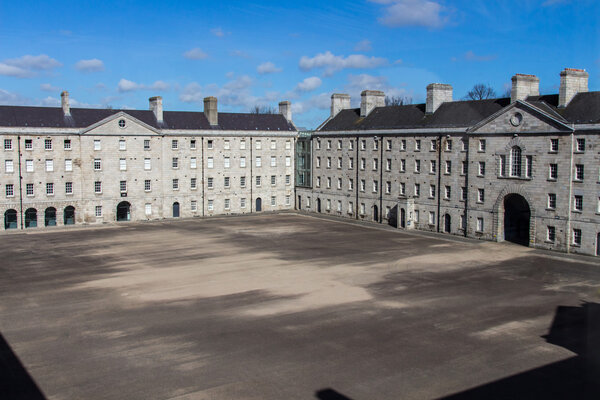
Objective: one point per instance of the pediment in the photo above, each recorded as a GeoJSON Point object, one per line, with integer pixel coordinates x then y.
{"type": "Point", "coordinates": [521, 118]}
{"type": "Point", "coordinates": [121, 124]}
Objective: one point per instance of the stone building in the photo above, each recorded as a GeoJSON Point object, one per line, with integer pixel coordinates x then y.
{"type": "Point", "coordinates": [524, 169]}
{"type": "Point", "coordinates": [99, 165]}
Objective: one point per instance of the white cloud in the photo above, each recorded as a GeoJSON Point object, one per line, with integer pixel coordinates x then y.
{"type": "Point", "coordinates": [91, 65]}
{"type": "Point", "coordinates": [471, 56]}
{"type": "Point", "coordinates": [46, 87]}
{"type": "Point", "coordinates": [27, 66]}
{"type": "Point", "coordinates": [363, 45]}
{"type": "Point", "coordinates": [10, 98]}
{"type": "Point", "coordinates": [267, 68]}
{"type": "Point", "coordinates": [332, 63]}
{"type": "Point", "coordinates": [309, 84]}
{"type": "Point", "coordinates": [239, 53]}
{"type": "Point", "coordinates": [357, 83]}
{"type": "Point", "coordinates": [236, 92]}
{"type": "Point", "coordinates": [320, 101]}
{"type": "Point", "coordinates": [125, 85]}
{"type": "Point", "coordinates": [217, 32]}
{"type": "Point", "coordinates": [427, 13]}
{"type": "Point", "coordinates": [195, 54]}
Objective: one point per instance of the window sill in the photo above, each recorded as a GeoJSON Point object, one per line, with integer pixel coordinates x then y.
{"type": "Point", "coordinates": [577, 211]}
{"type": "Point", "coordinates": [550, 209]}
{"type": "Point", "coordinates": [549, 241]}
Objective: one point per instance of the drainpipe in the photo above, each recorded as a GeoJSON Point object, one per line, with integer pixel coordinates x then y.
{"type": "Point", "coordinates": [380, 179]}
{"type": "Point", "coordinates": [203, 182]}
{"type": "Point", "coordinates": [568, 241]}
{"type": "Point", "coordinates": [439, 180]}
{"type": "Point", "coordinates": [465, 228]}
{"type": "Point", "coordinates": [356, 166]}
{"type": "Point", "coordinates": [251, 177]}
{"type": "Point", "coordinates": [20, 179]}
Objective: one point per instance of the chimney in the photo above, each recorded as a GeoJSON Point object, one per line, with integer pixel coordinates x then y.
{"type": "Point", "coordinates": [369, 99]}
{"type": "Point", "coordinates": [572, 81]}
{"type": "Point", "coordinates": [339, 102]}
{"type": "Point", "coordinates": [523, 86]}
{"type": "Point", "coordinates": [157, 107]}
{"type": "Point", "coordinates": [437, 93]}
{"type": "Point", "coordinates": [210, 110]}
{"type": "Point", "coordinates": [285, 109]}
{"type": "Point", "coordinates": [64, 100]}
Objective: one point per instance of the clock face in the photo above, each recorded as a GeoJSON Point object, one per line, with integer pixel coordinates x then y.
{"type": "Point", "coordinates": [516, 119]}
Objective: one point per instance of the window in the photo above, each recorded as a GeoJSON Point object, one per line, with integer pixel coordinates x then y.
{"type": "Point", "coordinates": [417, 166]}
{"type": "Point", "coordinates": [66, 144]}
{"type": "Point", "coordinates": [273, 180]}
{"type": "Point", "coordinates": [242, 144]}
{"type": "Point", "coordinates": [417, 215]}
{"type": "Point", "coordinates": [288, 144]}
{"type": "Point", "coordinates": [226, 162]}
{"type": "Point", "coordinates": [174, 144]}
{"type": "Point", "coordinates": [402, 188]}
{"type": "Point", "coordinates": [577, 237]}
{"type": "Point", "coordinates": [318, 162]}
{"type": "Point", "coordinates": [122, 123]}
{"type": "Point", "coordinates": [375, 186]}
{"type": "Point", "coordinates": [28, 144]}
{"type": "Point", "coordinates": [68, 187]}
{"type": "Point", "coordinates": [479, 224]}
{"type": "Point", "coordinates": [97, 145]}
{"type": "Point", "coordinates": [351, 162]}
{"type": "Point", "coordinates": [49, 165]}
{"type": "Point", "coordinates": [273, 145]}
{"type": "Point", "coordinates": [463, 222]}
{"type": "Point", "coordinates": [481, 168]}
{"type": "Point", "coordinates": [97, 187]}
{"type": "Point", "coordinates": [375, 162]}
{"type": "Point", "coordinates": [580, 145]}
{"type": "Point", "coordinates": [418, 145]}
{"type": "Point", "coordinates": [9, 166]}
{"type": "Point", "coordinates": [528, 166]}
{"type": "Point", "coordinates": [193, 147]}
{"type": "Point", "coordinates": [465, 168]}
{"type": "Point", "coordinates": [210, 205]}
{"type": "Point", "coordinates": [29, 189]}
{"type": "Point", "coordinates": [97, 164]}
{"type": "Point", "coordinates": [433, 166]}
{"type": "Point", "coordinates": [431, 217]}
{"type": "Point", "coordinates": [193, 183]}
{"type": "Point", "coordinates": [146, 144]}
{"type": "Point", "coordinates": [350, 145]}
{"type": "Point", "coordinates": [598, 207]}
{"type": "Point", "coordinates": [193, 163]}
{"type": "Point", "coordinates": [147, 164]}
{"type": "Point", "coordinates": [432, 191]}
{"type": "Point", "coordinates": [243, 202]}
{"type": "Point", "coordinates": [288, 200]}
{"type": "Point", "coordinates": [350, 207]}
{"type": "Point", "coordinates": [227, 204]}
{"type": "Point", "coordinates": [329, 145]}
{"type": "Point", "coordinates": [122, 164]}
{"type": "Point", "coordinates": [210, 182]}
{"type": "Point", "coordinates": [226, 145]}
{"type": "Point", "coordinates": [318, 144]}
{"type": "Point", "coordinates": [417, 190]}
{"type": "Point", "coordinates": [258, 161]}
{"type": "Point", "coordinates": [258, 145]}
{"type": "Point", "coordinates": [123, 186]}
{"type": "Point", "coordinates": [554, 145]}
{"type": "Point", "coordinates": [463, 193]}
{"type": "Point", "coordinates": [515, 161]}
{"type": "Point", "coordinates": [448, 145]}
{"type": "Point", "coordinates": [288, 179]}
{"type": "Point", "coordinates": [210, 162]}
{"type": "Point", "coordinates": [448, 167]}
{"type": "Point", "coordinates": [448, 192]}
{"type": "Point", "coordinates": [209, 144]}
{"type": "Point", "coordinates": [579, 172]}
{"type": "Point", "coordinates": [553, 171]}
{"type": "Point", "coordinates": [502, 166]}
{"type": "Point", "coordinates": [388, 187]}
{"type": "Point", "coordinates": [375, 144]}
{"type": "Point", "coordinates": [148, 208]}
{"type": "Point", "coordinates": [98, 211]}
{"type": "Point", "coordinates": [175, 184]}
{"type": "Point", "coordinates": [402, 165]}
{"type": "Point", "coordinates": [328, 182]}
{"type": "Point", "coordinates": [480, 195]}
{"type": "Point", "coordinates": [328, 206]}
{"type": "Point", "coordinates": [274, 201]}
{"type": "Point", "coordinates": [550, 234]}
{"type": "Point", "coordinates": [388, 164]}
{"type": "Point", "coordinates": [434, 145]}
{"type": "Point", "coordinates": [242, 162]}
{"type": "Point", "coordinates": [388, 144]}
{"type": "Point", "coordinates": [403, 145]}
{"type": "Point", "coordinates": [363, 144]}
{"type": "Point", "coordinates": [147, 185]}
{"type": "Point", "coordinates": [578, 206]}
{"type": "Point", "coordinates": [122, 145]}
{"type": "Point", "coordinates": [350, 184]}
{"type": "Point", "coordinates": [47, 144]}
{"type": "Point", "coordinates": [339, 163]}
{"type": "Point", "coordinates": [551, 201]}
{"type": "Point", "coordinates": [363, 163]}
{"type": "Point", "coordinates": [363, 185]}
{"type": "Point", "coordinates": [242, 181]}
{"type": "Point", "coordinates": [482, 145]}
{"type": "Point", "coordinates": [339, 183]}
{"type": "Point", "coordinates": [194, 205]}
{"type": "Point", "coordinates": [339, 206]}
{"type": "Point", "coordinates": [274, 161]}
{"type": "Point", "coordinates": [8, 144]}
{"type": "Point", "coordinates": [318, 181]}
{"type": "Point", "coordinates": [288, 161]}
{"type": "Point", "coordinates": [10, 190]}
{"type": "Point", "coordinates": [258, 180]}
{"type": "Point", "coordinates": [464, 144]}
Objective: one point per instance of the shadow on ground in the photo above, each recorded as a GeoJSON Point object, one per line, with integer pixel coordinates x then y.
{"type": "Point", "coordinates": [330, 394]}
{"type": "Point", "coordinates": [574, 328]}
{"type": "Point", "coordinates": [15, 381]}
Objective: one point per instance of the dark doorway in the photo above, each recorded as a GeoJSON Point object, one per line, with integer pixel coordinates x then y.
{"type": "Point", "coordinates": [10, 219]}
{"type": "Point", "coordinates": [31, 218]}
{"type": "Point", "coordinates": [447, 223]}
{"type": "Point", "coordinates": [516, 219]}
{"type": "Point", "coordinates": [402, 218]}
{"type": "Point", "coordinates": [258, 204]}
{"type": "Point", "coordinates": [393, 217]}
{"type": "Point", "coordinates": [299, 202]}
{"type": "Point", "coordinates": [176, 210]}
{"type": "Point", "coordinates": [69, 215]}
{"type": "Point", "coordinates": [50, 216]}
{"type": "Point", "coordinates": [124, 211]}
{"type": "Point", "coordinates": [598, 245]}
{"type": "Point", "coordinates": [318, 205]}
{"type": "Point", "coordinates": [375, 213]}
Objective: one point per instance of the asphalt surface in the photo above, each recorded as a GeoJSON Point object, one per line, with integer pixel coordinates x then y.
{"type": "Point", "coordinates": [291, 307]}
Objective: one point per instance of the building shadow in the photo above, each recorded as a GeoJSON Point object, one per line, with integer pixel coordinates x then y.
{"type": "Point", "coordinates": [15, 381]}
{"type": "Point", "coordinates": [574, 328]}
{"type": "Point", "coordinates": [330, 394]}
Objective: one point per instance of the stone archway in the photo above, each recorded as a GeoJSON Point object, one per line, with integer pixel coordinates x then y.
{"type": "Point", "coordinates": [124, 211]}
{"type": "Point", "coordinates": [521, 216]}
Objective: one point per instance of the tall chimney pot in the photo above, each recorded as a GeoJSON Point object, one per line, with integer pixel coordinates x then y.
{"type": "Point", "coordinates": [523, 86]}
{"type": "Point", "coordinates": [64, 101]}
{"type": "Point", "coordinates": [437, 94]}
{"type": "Point", "coordinates": [285, 109]}
{"type": "Point", "coordinates": [339, 102]}
{"type": "Point", "coordinates": [370, 99]}
{"type": "Point", "coordinates": [210, 110]}
{"type": "Point", "coordinates": [572, 81]}
{"type": "Point", "coordinates": [156, 106]}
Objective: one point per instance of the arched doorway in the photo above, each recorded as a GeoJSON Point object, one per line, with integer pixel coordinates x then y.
{"type": "Point", "coordinates": [516, 219]}
{"type": "Point", "coordinates": [10, 219]}
{"type": "Point", "coordinates": [69, 215]}
{"type": "Point", "coordinates": [31, 218]}
{"type": "Point", "coordinates": [375, 213]}
{"type": "Point", "coordinates": [258, 204]}
{"type": "Point", "coordinates": [176, 210]}
{"type": "Point", "coordinates": [50, 216]}
{"type": "Point", "coordinates": [402, 218]}
{"type": "Point", "coordinates": [124, 211]}
{"type": "Point", "coordinates": [447, 223]}
{"type": "Point", "coordinates": [318, 205]}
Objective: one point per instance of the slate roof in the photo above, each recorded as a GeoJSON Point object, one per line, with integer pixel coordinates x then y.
{"type": "Point", "coordinates": [584, 108]}
{"type": "Point", "coordinates": [20, 116]}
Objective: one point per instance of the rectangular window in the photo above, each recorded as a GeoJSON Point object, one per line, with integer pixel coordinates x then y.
{"type": "Point", "coordinates": [375, 186]}
{"type": "Point", "coordinates": [318, 144]}
{"type": "Point", "coordinates": [363, 163]}
{"type": "Point", "coordinates": [29, 189]}
{"type": "Point", "coordinates": [448, 167]}
{"type": "Point", "coordinates": [402, 188]}
{"type": "Point", "coordinates": [243, 202]}
{"type": "Point", "coordinates": [528, 166]}
{"type": "Point", "coordinates": [210, 205]}
{"type": "Point", "coordinates": [375, 164]}
{"type": "Point", "coordinates": [433, 145]}
{"type": "Point", "coordinates": [554, 145]}
{"type": "Point", "coordinates": [553, 171]}
{"type": "Point", "coordinates": [403, 145]}
{"type": "Point", "coordinates": [481, 168]}
{"type": "Point", "coordinates": [464, 144]}
{"type": "Point", "coordinates": [226, 162]}
{"type": "Point", "coordinates": [339, 163]}
{"type": "Point", "coordinates": [242, 144]}
{"type": "Point", "coordinates": [210, 162]}
{"type": "Point", "coordinates": [318, 162]}
{"type": "Point", "coordinates": [97, 145]}
{"type": "Point", "coordinates": [578, 206]}
{"type": "Point", "coordinates": [351, 145]}
{"type": "Point", "coordinates": [227, 204]}
{"type": "Point", "coordinates": [146, 144]}
{"type": "Point", "coordinates": [363, 144]}
{"type": "Point", "coordinates": [318, 183]}
{"type": "Point", "coordinates": [242, 162]}
{"type": "Point", "coordinates": [431, 217]}
{"type": "Point", "coordinates": [363, 185]}
{"type": "Point", "coordinates": [448, 145]}
{"type": "Point", "coordinates": [417, 190]}
{"type": "Point", "coordinates": [432, 166]}
{"type": "Point", "coordinates": [122, 164]}
{"type": "Point", "coordinates": [417, 215]}
{"type": "Point", "coordinates": [273, 180]}
{"type": "Point", "coordinates": [418, 145]}
{"type": "Point", "coordinates": [66, 143]}
{"type": "Point", "coordinates": [274, 161]}
{"type": "Point", "coordinates": [417, 166]}
{"type": "Point", "coordinates": [402, 165]}
{"type": "Point", "coordinates": [273, 201]}
{"type": "Point", "coordinates": [502, 166]}
{"type": "Point", "coordinates": [194, 205]}
{"type": "Point", "coordinates": [193, 163]}
{"type": "Point", "coordinates": [339, 183]}
{"type": "Point", "coordinates": [147, 185]}
{"type": "Point", "coordinates": [463, 193]}
{"type": "Point", "coordinates": [388, 187]}
{"type": "Point", "coordinates": [258, 180]}
{"type": "Point", "coordinates": [465, 168]}
{"type": "Point", "coordinates": [209, 144]}
{"type": "Point", "coordinates": [479, 224]}
{"type": "Point", "coordinates": [577, 237]}
{"type": "Point", "coordinates": [122, 145]}
{"type": "Point", "coordinates": [97, 164]}
{"type": "Point", "coordinates": [288, 200]}
{"type": "Point", "coordinates": [148, 208]}
{"type": "Point", "coordinates": [448, 192]}
{"type": "Point", "coordinates": [242, 181]}
{"type": "Point", "coordinates": [388, 164]}
{"type": "Point", "coordinates": [432, 191]}
{"type": "Point", "coordinates": [123, 186]}
{"type": "Point", "coordinates": [193, 147]}
{"type": "Point", "coordinates": [375, 144]}
{"type": "Point", "coordinates": [329, 145]}
{"type": "Point", "coordinates": [98, 211]}
{"type": "Point", "coordinates": [463, 221]}
{"type": "Point", "coordinates": [551, 234]}
{"type": "Point", "coordinates": [328, 205]}
{"type": "Point", "coordinates": [258, 145]}
{"type": "Point", "coordinates": [480, 195]}
{"type": "Point", "coordinates": [258, 161]}
{"type": "Point", "coordinates": [351, 162]}
{"type": "Point", "coordinates": [482, 145]}
{"type": "Point", "coordinates": [49, 165]}
{"type": "Point", "coordinates": [68, 187]}
{"type": "Point", "coordinates": [288, 161]}
{"type": "Point", "coordinates": [175, 184]}
{"type": "Point", "coordinates": [48, 144]}
{"type": "Point", "coordinates": [226, 145]}
{"type": "Point", "coordinates": [328, 182]}
{"type": "Point", "coordinates": [350, 207]}
{"type": "Point", "coordinates": [210, 182]}
{"type": "Point", "coordinates": [8, 144]}
{"type": "Point", "coordinates": [350, 184]}
{"type": "Point", "coordinates": [29, 144]}
{"type": "Point", "coordinates": [580, 145]}
{"type": "Point", "coordinates": [288, 144]}
{"type": "Point", "coordinates": [551, 201]}
{"type": "Point", "coordinates": [579, 172]}
{"type": "Point", "coordinates": [147, 165]}
{"type": "Point", "coordinates": [9, 166]}
{"type": "Point", "coordinates": [339, 206]}
{"type": "Point", "coordinates": [273, 145]}
{"type": "Point", "coordinates": [288, 179]}
{"type": "Point", "coordinates": [193, 183]}
{"type": "Point", "coordinates": [10, 190]}
{"type": "Point", "coordinates": [97, 187]}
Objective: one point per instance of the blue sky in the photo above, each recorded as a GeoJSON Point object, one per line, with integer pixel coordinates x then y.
{"type": "Point", "coordinates": [119, 53]}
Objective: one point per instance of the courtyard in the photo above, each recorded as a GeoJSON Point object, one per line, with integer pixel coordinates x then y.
{"type": "Point", "coordinates": [288, 306]}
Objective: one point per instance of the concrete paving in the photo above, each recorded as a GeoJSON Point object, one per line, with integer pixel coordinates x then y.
{"type": "Point", "coordinates": [290, 307]}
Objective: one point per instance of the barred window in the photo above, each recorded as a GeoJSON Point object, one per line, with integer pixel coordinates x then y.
{"type": "Point", "coordinates": [515, 161]}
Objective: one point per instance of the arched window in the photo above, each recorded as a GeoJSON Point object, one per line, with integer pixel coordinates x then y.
{"type": "Point", "coordinates": [515, 161]}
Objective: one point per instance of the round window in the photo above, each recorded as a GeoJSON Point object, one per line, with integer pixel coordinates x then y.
{"type": "Point", "coordinates": [516, 119]}
{"type": "Point", "coordinates": [122, 123]}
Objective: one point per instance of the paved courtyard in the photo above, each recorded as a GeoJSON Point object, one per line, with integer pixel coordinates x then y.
{"type": "Point", "coordinates": [291, 307]}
